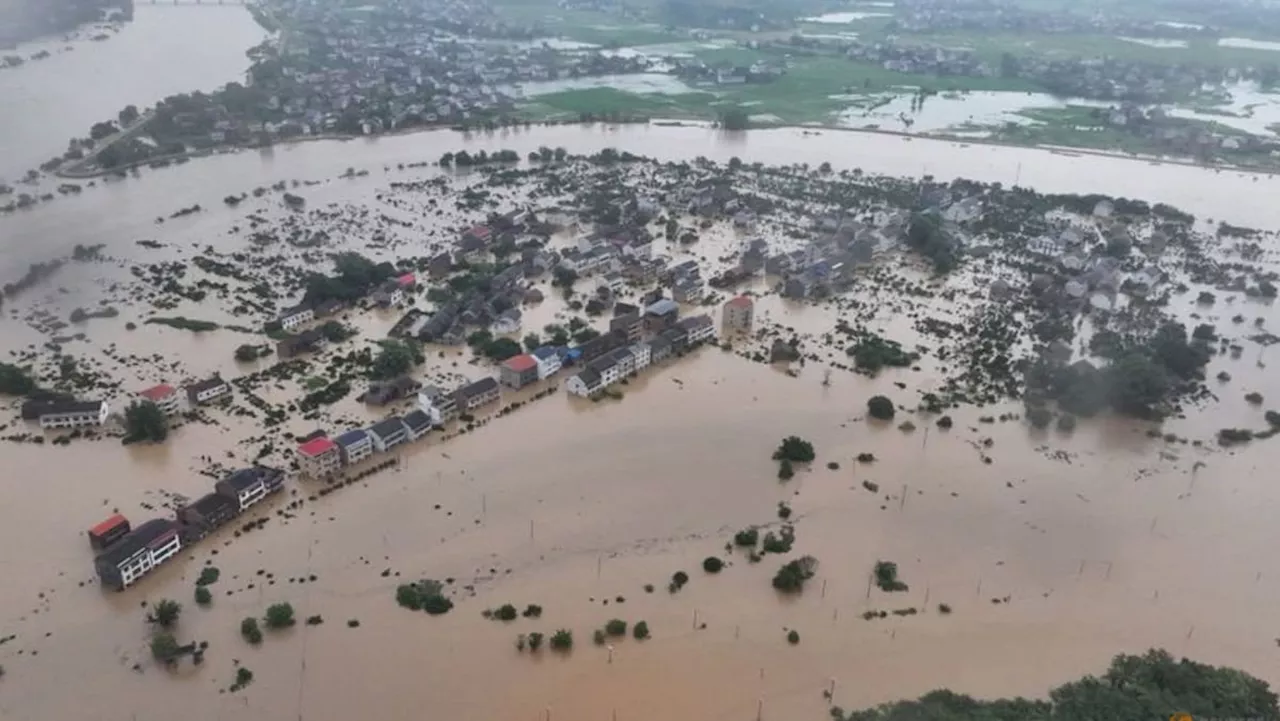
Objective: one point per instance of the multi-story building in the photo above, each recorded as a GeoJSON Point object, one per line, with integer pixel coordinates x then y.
{"type": "Point", "coordinates": [108, 532]}
{"type": "Point", "coordinates": [584, 383]}
{"type": "Point", "coordinates": [661, 314]}
{"type": "Point", "coordinates": [298, 315]}
{"type": "Point", "coordinates": [739, 314]}
{"type": "Point", "coordinates": [354, 446]}
{"type": "Point", "coordinates": [164, 396]}
{"type": "Point", "coordinates": [699, 328]}
{"type": "Point", "coordinates": [608, 369]}
{"type": "Point", "coordinates": [388, 434]}
{"type": "Point", "coordinates": [548, 360]}
{"type": "Point", "coordinates": [474, 395]}
{"type": "Point", "coordinates": [73, 414]}
{"type": "Point", "coordinates": [641, 356]}
{"type": "Point", "coordinates": [138, 552]}
{"type": "Point", "coordinates": [208, 513]}
{"type": "Point", "coordinates": [441, 406]}
{"type": "Point", "coordinates": [630, 324]}
{"type": "Point", "coordinates": [417, 423]}
{"type": "Point", "coordinates": [319, 457]}
{"type": "Point", "coordinates": [207, 390]}
{"type": "Point", "coordinates": [519, 371]}
{"type": "Point", "coordinates": [625, 361]}
{"type": "Point", "coordinates": [248, 486]}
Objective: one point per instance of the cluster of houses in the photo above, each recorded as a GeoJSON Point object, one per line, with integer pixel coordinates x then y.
{"type": "Point", "coordinates": [65, 412]}
{"type": "Point", "coordinates": [320, 456]}
{"type": "Point", "coordinates": [126, 554]}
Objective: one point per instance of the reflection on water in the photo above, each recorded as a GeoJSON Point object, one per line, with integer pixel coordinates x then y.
{"type": "Point", "coordinates": [1156, 42]}
{"type": "Point", "coordinates": [633, 83]}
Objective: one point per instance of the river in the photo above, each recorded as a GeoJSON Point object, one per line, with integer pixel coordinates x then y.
{"type": "Point", "coordinates": [165, 50]}
{"type": "Point", "coordinates": [1115, 546]}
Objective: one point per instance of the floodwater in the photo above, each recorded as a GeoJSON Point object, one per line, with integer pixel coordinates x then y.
{"type": "Point", "coordinates": [843, 18]}
{"type": "Point", "coordinates": [1114, 546]}
{"type": "Point", "coordinates": [1156, 42]}
{"type": "Point", "coordinates": [165, 50]}
{"type": "Point", "coordinates": [941, 112]}
{"type": "Point", "coordinates": [1248, 109]}
{"type": "Point", "coordinates": [634, 83]}
{"type": "Point", "coordinates": [1249, 43]}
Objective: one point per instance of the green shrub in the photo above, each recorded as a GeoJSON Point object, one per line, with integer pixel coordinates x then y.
{"type": "Point", "coordinates": [250, 631]}
{"type": "Point", "coordinates": [535, 641]}
{"type": "Point", "coordinates": [506, 612]}
{"type": "Point", "coordinates": [881, 408]}
{"type": "Point", "coordinates": [678, 580]}
{"type": "Point", "coordinates": [747, 537]}
{"type": "Point", "coordinates": [407, 596]}
{"type": "Point", "coordinates": [279, 615]}
{"type": "Point", "coordinates": [164, 647]}
{"type": "Point", "coordinates": [616, 627]}
{"type": "Point", "coordinates": [640, 631]}
{"type": "Point", "coordinates": [562, 640]}
{"type": "Point", "coordinates": [165, 613]}
{"type": "Point", "coordinates": [795, 449]}
{"type": "Point", "coordinates": [944, 609]}
{"type": "Point", "coordinates": [792, 576]}
{"type": "Point", "coordinates": [793, 637]}
{"type": "Point", "coordinates": [203, 597]}
{"type": "Point", "coordinates": [533, 610]}
{"type": "Point", "coordinates": [786, 471]}
{"type": "Point", "coordinates": [886, 573]}
{"type": "Point", "coordinates": [711, 564]}
{"type": "Point", "coordinates": [598, 637]}
{"type": "Point", "coordinates": [780, 542]}
{"type": "Point", "coordinates": [208, 576]}
{"type": "Point", "coordinates": [436, 605]}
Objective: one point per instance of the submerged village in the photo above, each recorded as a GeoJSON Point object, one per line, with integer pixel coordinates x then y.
{"type": "Point", "coordinates": [474, 285]}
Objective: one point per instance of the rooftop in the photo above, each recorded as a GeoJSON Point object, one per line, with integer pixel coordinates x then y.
{"type": "Point", "coordinates": [387, 428]}
{"type": "Point", "coordinates": [417, 419]}
{"type": "Point", "coordinates": [741, 301]}
{"type": "Point", "coordinates": [106, 526]}
{"type": "Point", "coordinates": [138, 539]}
{"type": "Point", "coordinates": [350, 438]}
{"type": "Point", "coordinates": [484, 385]}
{"type": "Point", "coordinates": [316, 446]}
{"type": "Point", "coordinates": [545, 352]}
{"type": "Point", "coordinates": [60, 407]}
{"type": "Point", "coordinates": [213, 503]}
{"type": "Point", "coordinates": [521, 363]}
{"type": "Point", "coordinates": [156, 393]}
{"type": "Point", "coordinates": [663, 307]}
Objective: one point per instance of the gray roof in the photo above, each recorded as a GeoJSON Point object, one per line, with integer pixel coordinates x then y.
{"type": "Point", "coordinates": [387, 428]}
{"type": "Point", "coordinates": [482, 386]}
{"type": "Point", "coordinates": [417, 420]}
{"type": "Point", "coordinates": [60, 407]}
{"type": "Point", "coordinates": [136, 540]}
{"type": "Point", "coordinates": [589, 377]}
{"type": "Point", "coordinates": [663, 307]}
{"type": "Point", "coordinates": [245, 478]}
{"type": "Point", "coordinates": [350, 438]}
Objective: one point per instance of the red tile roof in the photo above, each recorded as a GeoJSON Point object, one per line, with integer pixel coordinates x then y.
{"type": "Point", "coordinates": [407, 279]}
{"type": "Point", "coordinates": [105, 527]}
{"type": "Point", "coordinates": [157, 393]}
{"type": "Point", "coordinates": [480, 231]}
{"type": "Point", "coordinates": [522, 363]}
{"type": "Point", "coordinates": [741, 301]}
{"type": "Point", "coordinates": [316, 446]}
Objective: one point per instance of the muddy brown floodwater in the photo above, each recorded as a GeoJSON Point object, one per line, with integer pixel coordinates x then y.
{"type": "Point", "coordinates": [1103, 541]}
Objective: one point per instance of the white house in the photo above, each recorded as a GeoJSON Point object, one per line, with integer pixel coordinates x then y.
{"type": "Point", "coordinates": [642, 355]}
{"type": "Point", "coordinates": [73, 414]}
{"type": "Point", "coordinates": [164, 396]}
{"type": "Point", "coordinates": [296, 316]}
{"type": "Point", "coordinates": [613, 281]}
{"type": "Point", "coordinates": [138, 552]}
{"type": "Point", "coordinates": [699, 328]}
{"type": "Point", "coordinates": [640, 247]}
{"type": "Point", "coordinates": [388, 434]}
{"type": "Point", "coordinates": [354, 446]}
{"type": "Point", "coordinates": [584, 383]}
{"type": "Point", "coordinates": [548, 359]}
{"type": "Point", "coordinates": [207, 390]}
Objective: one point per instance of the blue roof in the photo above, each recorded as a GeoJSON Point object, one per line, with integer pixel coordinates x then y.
{"type": "Point", "coordinates": [545, 352]}
{"type": "Point", "coordinates": [351, 437]}
{"type": "Point", "coordinates": [573, 353]}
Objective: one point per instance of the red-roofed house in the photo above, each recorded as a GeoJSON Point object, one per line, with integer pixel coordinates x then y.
{"type": "Point", "coordinates": [319, 457]}
{"type": "Point", "coordinates": [164, 395]}
{"type": "Point", "coordinates": [738, 314]}
{"type": "Point", "coordinates": [108, 532]}
{"type": "Point", "coordinates": [519, 371]}
{"type": "Point", "coordinates": [408, 280]}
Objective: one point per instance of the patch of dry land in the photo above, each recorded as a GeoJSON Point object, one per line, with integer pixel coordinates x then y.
{"type": "Point", "coordinates": [1043, 515]}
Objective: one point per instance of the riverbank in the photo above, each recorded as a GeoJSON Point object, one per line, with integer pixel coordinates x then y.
{"type": "Point", "coordinates": [73, 174]}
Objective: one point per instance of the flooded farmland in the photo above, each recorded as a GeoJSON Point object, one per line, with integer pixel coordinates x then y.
{"type": "Point", "coordinates": [1102, 541]}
